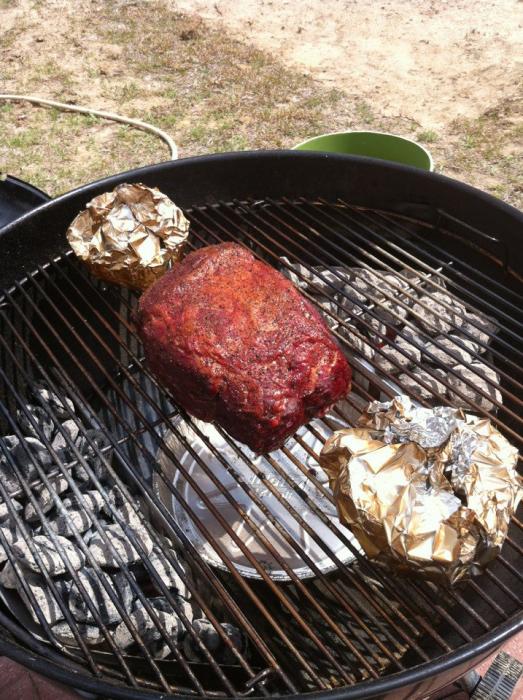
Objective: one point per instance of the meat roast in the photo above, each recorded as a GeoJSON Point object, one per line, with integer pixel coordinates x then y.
{"type": "Point", "coordinates": [236, 343]}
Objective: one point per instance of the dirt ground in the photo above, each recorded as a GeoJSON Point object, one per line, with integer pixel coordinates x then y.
{"type": "Point", "coordinates": [431, 60]}
{"type": "Point", "coordinates": [222, 75]}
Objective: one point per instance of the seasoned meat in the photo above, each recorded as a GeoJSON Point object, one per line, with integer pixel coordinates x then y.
{"type": "Point", "coordinates": [236, 343]}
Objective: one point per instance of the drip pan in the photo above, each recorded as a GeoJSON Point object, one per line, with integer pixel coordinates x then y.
{"type": "Point", "coordinates": [257, 475]}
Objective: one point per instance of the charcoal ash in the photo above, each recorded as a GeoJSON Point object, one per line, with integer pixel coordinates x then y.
{"type": "Point", "coordinates": [366, 283]}
{"type": "Point", "coordinates": [8, 577]}
{"type": "Point", "coordinates": [99, 597]}
{"type": "Point", "coordinates": [302, 282]}
{"type": "Point", "coordinates": [44, 498]}
{"type": "Point", "coordinates": [147, 628]}
{"type": "Point", "coordinates": [10, 535]}
{"type": "Point", "coordinates": [212, 640]}
{"type": "Point", "coordinates": [53, 556]}
{"type": "Point", "coordinates": [328, 308]}
{"type": "Point", "coordinates": [391, 313]}
{"type": "Point", "coordinates": [90, 634]}
{"type": "Point", "coordinates": [471, 378]}
{"type": "Point", "coordinates": [329, 280]}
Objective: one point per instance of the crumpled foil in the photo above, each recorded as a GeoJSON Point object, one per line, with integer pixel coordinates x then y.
{"type": "Point", "coordinates": [129, 236]}
{"type": "Point", "coordinates": [428, 492]}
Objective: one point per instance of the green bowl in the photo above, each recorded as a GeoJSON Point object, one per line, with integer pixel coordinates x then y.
{"type": "Point", "coordinates": [373, 144]}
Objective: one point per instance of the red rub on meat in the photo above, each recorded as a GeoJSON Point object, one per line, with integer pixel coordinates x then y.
{"type": "Point", "coordinates": [235, 342]}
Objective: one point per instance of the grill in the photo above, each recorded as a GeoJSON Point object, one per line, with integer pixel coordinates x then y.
{"type": "Point", "coordinates": [330, 622]}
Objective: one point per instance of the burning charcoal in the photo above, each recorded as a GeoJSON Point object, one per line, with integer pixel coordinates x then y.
{"type": "Point", "coordinates": [347, 307]}
{"type": "Point", "coordinates": [45, 598]}
{"type": "Point", "coordinates": [480, 329]}
{"type": "Point", "coordinates": [52, 556]}
{"type": "Point", "coordinates": [412, 386]}
{"type": "Point", "coordinates": [58, 404]}
{"type": "Point", "coordinates": [212, 640]}
{"type": "Point", "coordinates": [99, 597]}
{"type": "Point", "coordinates": [45, 498]}
{"type": "Point", "coordinates": [90, 634]}
{"type": "Point", "coordinates": [121, 543]}
{"type": "Point", "coordinates": [393, 285]}
{"type": "Point", "coordinates": [366, 283]}
{"type": "Point", "coordinates": [473, 377]}
{"type": "Point", "coordinates": [436, 318]}
{"type": "Point", "coordinates": [11, 534]}
{"type": "Point", "coordinates": [302, 281]}
{"type": "Point", "coordinates": [330, 279]}
{"type": "Point", "coordinates": [166, 571]}
{"type": "Point", "coordinates": [392, 314]}
{"type": "Point", "coordinates": [147, 628]}
{"type": "Point", "coordinates": [329, 307]}
{"type": "Point", "coordinates": [393, 360]}
{"type": "Point", "coordinates": [447, 352]}
{"type": "Point", "coordinates": [29, 452]}
{"type": "Point", "coordinates": [76, 518]}
{"type": "Point", "coordinates": [92, 455]}
{"type": "Point", "coordinates": [378, 328]}
{"type": "Point", "coordinates": [357, 341]}
{"type": "Point", "coordinates": [71, 429]}
{"type": "Point", "coordinates": [238, 641]}
{"type": "Point", "coordinates": [5, 513]}
{"type": "Point", "coordinates": [8, 577]}
{"type": "Point", "coordinates": [44, 422]}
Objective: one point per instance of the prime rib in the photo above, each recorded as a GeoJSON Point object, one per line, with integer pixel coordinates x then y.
{"type": "Point", "coordinates": [235, 342]}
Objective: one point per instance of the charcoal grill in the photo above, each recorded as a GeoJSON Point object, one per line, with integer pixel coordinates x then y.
{"type": "Point", "coordinates": [351, 632]}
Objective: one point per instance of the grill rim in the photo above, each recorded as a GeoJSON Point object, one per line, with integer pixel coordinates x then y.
{"type": "Point", "coordinates": [154, 175]}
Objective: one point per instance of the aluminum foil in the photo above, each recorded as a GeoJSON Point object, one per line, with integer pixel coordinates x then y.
{"type": "Point", "coordinates": [426, 491]}
{"type": "Point", "coordinates": [129, 236]}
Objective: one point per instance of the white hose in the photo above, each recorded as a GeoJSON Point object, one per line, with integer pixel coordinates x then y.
{"type": "Point", "coordinates": [97, 113]}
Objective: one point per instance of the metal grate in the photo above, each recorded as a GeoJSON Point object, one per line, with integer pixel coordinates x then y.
{"type": "Point", "coordinates": [355, 623]}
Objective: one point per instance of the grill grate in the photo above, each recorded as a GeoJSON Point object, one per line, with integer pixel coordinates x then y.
{"type": "Point", "coordinates": [62, 327]}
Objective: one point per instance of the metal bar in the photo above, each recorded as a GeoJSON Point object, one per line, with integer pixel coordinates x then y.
{"type": "Point", "coordinates": [100, 487]}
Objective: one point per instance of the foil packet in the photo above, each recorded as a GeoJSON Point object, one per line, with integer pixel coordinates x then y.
{"type": "Point", "coordinates": [129, 236]}
{"type": "Point", "coordinates": [427, 492]}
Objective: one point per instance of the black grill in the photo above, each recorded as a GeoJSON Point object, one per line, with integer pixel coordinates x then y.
{"type": "Point", "coordinates": [75, 336]}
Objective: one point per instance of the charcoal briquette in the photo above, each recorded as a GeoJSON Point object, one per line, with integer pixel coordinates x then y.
{"type": "Point", "coordinates": [8, 577]}
{"type": "Point", "coordinates": [300, 280]}
{"type": "Point", "coordinates": [360, 344]}
{"type": "Point", "coordinates": [365, 283]}
{"type": "Point", "coordinates": [412, 385]}
{"type": "Point", "coordinates": [76, 518]}
{"type": "Point", "coordinates": [44, 597]}
{"type": "Point", "coordinates": [480, 329]}
{"type": "Point", "coordinates": [10, 534]}
{"type": "Point", "coordinates": [206, 632]}
{"type": "Point", "coordinates": [60, 405]}
{"type": "Point", "coordinates": [328, 310]}
{"type": "Point", "coordinates": [472, 379]}
{"type": "Point", "coordinates": [121, 543]}
{"type": "Point", "coordinates": [51, 555]}
{"type": "Point", "coordinates": [8, 477]}
{"type": "Point", "coordinates": [71, 429]}
{"type": "Point", "coordinates": [147, 629]}
{"type": "Point", "coordinates": [393, 360]}
{"type": "Point", "coordinates": [390, 313]}
{"type": "Point", "coordinates": [99, 597]}
{"type": "Point", "coordinates": [5, 511]}
{"type": "Point", "coordinates": [436, 318]}
{"type": "Point", "coordinates": [329, 280]}
{"type": "Point", "coordinates": [96, 455]}
{"type": "Point", "coordinates": [44, 497]}
{"type": "Point", "coordinates": [448, 352]}
{"type": "Point", "coordinates": [166, 571]}
{"type": "Point", "coordinates": [44, 423]}
{"type": "Point", "coordinates": [237, 640]}
{"type": "Point", "coordinates": [90, 634]}
{"type": "Point", "coordinates": [28, 452]}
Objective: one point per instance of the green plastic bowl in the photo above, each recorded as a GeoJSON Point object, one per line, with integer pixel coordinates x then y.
{"type": "Point", "coordinates": [373, 144]}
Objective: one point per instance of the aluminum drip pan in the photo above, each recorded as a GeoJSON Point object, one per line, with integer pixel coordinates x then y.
{"type": "Point", "coordinates": [256, 472]}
